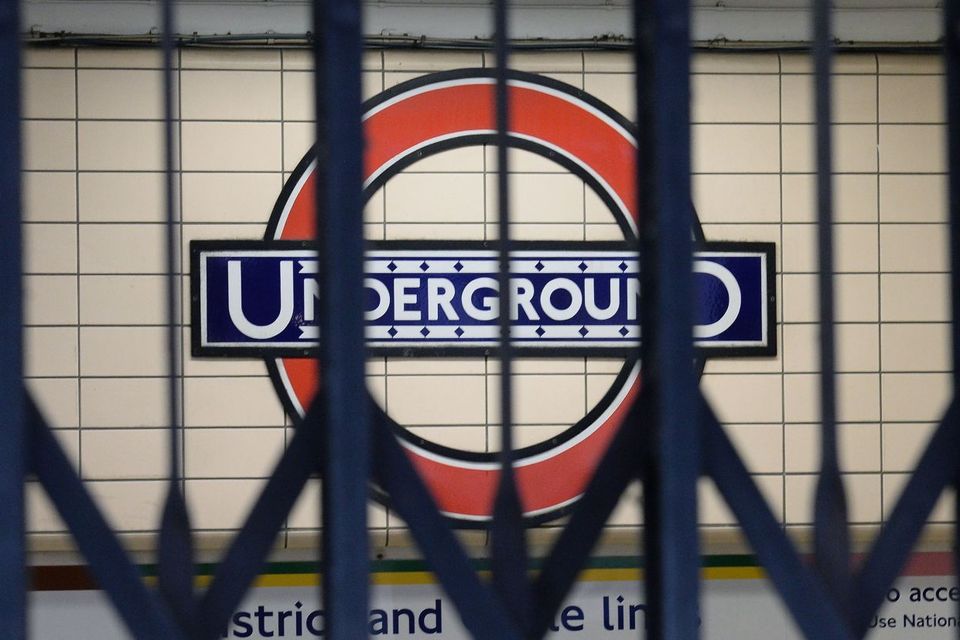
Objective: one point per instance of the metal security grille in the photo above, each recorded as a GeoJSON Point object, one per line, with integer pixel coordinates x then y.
{"type": "Point", "coordinates": [671, 438]}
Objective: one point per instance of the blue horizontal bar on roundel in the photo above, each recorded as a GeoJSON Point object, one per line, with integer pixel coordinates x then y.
{"type": "Point", "coordinates": [263, 298]}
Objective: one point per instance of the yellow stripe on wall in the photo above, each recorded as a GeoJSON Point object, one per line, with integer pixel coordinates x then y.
{"type": "Point", "coordinates": [425, 577]}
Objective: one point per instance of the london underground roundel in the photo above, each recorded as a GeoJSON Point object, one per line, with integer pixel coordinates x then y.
{"type": "Point", "coordinates": [439, 298]}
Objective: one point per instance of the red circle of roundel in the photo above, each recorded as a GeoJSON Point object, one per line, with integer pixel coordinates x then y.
{"type": "Point", "coordinates": [452, 109]}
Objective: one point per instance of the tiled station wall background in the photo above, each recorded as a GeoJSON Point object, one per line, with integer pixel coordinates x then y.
{"type": "Point", "coordinates": [94, 267]}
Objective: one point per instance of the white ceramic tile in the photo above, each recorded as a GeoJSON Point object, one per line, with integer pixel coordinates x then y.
{"type": "Point", "coordinates": [854, 98]}
{"type": "Point", "coordinates": [729, 62]}
{"type": "Point", "coordinates": [405, 60]}
{"type": "Point", "coordinates": [229, 197]}
{"type": "Point", "coordinates": [130, 505]}
{"type": "Point", "coordinates": [863, 498]}
{"type": "Point", "coordinates": [859, 447]}
{"type": "Point", "coordinates": [124, 402]}
{"type": "Point", "coordinates": [912, 148]}
{"type": "Point", "coordinates": [50, 351]}
{"type": "Point", "coordinates": [540, 399]}
{"type": "Point", "coordinates": [430, 198]}
{"type": "Point", "coordinates": [744, 398]}
{"type": "Point", "coordinates": [230, 58]}
{"type": "Point", "coordinates": [855, 198]}
{"type": "Point", "coordinates": [128, 454]}
{"type": "Point", "coordinates": [437, 400]}
{"type": "Point", "coordinates": [607, 61]}
{"type": "Point", "coordinates": [231, 146]}
{"type": "Point", "coordinates": [912, 99]}
{"type": "Point", "coordinates": [904, 443]}
{"type": "Point", "coordinates": [913, 198]}
{"type": "Point", "coordinates": [121, 57]}
{"type": "Point", "coordinates": [909, 63]}
{"type": "Point", "coordinates": [854, 148]}
{"type": "Point", "coordinates": [122, 248]}
{"type": "Point", "coordinates": [230, 95]}
{"type": "Point", "coordinates": [49, 145]}
{"type": "Point", "coordinates": [121, 145]}
{"type": "Point", "coordinates": [434, 366]}
{"type": "Point", "coordinates": [231, 453]}
{"type": "Point", "coordinates": [113, 300]}
{"type": "Point", "coordinates": [856, 298]}
{"type": "Point", "coordinates": [944, 510]}
{"type": "Point", "coordinates": [298, 138]}
{"type": "Point", "coordinates": [855, 248]}
{"type": "Point", "coordinates": [122, 197]}
{"type": "Point", "coordinates": [737, 198]}
{"type": "Point", "coordinates": [223, 402]}
{"type": "Point", "coordinates": [857, 347]}
{"type": "Point", "coordinates": [50, 300]}
{"type": "Point", "coordinates": [614, 89]}
{"type": "Point", "coordinates": [302, 59]}
{"type": "Point", "coordinates": [914, 297]}
{"type": "Point", "coordinates": [915, 347]}
{"type": "Point", "coordinates": [221, 504]}
{"type": "Point", "coordinates": [58, 400]}
{"type": "Point", "coordinates": [539, 198]}
{"type": "Point", "coordinates": [759, 445]}
{"type": "Point", "coordinates": [730, 148]}
{"type": "Point", "coordinates": [123, 351]}
{"type": "Point", "coordinates": [915, 397]}
{"type": "Point", "coordinates": [48, 93]}
{"type": "Point", "coordinates": [858, 397]}
{"type": "Point", "coordinates": [49, 197]}
{"type": "Point", "coordinates": [541, 61]}
{"type": "Point", "coordinates": [719, 98]}
{"type": "Point", "coordinates": [43, 57]}
{"type": "Point", "coordinates": [914, 247]}
{"type": "Point", "coordinates": [119, 94]}
{"type": "Point", "coordinates": [49, 248]}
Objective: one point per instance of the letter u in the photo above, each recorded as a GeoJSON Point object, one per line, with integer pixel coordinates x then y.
{"type": "Point", "coordinates": [235, 302]}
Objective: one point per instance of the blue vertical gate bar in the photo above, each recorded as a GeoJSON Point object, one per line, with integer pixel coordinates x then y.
{"type": "Point", "coordinates": [338, 47]}
{"type": "Point", "coordinates": [951, 54]}
{"type": "Point", "coordinates": [12, 440]}
{"type": "Point", "coordinates": [509, 557]}
{"type": "Point", "coordinates": [673, 570]}
{"type": "Point", "coordinates": [831, 540]}
{"type": "Point", "coordinates": [174, 546]}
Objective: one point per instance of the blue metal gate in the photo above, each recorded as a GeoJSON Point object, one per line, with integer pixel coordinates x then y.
{"type": "Point", "coordinates": [343, 440]}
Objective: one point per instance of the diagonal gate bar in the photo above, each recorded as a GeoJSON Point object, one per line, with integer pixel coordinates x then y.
{"type": "Point", "coordinates": [803, 594]}
{"type": "Point", "coordinates": [141, 610]}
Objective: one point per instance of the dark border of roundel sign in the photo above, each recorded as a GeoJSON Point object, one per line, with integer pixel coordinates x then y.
{"type": "Point", "coordinates": [551, 474]}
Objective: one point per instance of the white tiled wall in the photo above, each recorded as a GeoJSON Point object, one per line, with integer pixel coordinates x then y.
{"type": "Point", "coordinates": [94, 266]}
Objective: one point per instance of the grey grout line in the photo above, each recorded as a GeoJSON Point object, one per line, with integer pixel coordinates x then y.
{"type": "Point", "coordinates": [879, 297]}
{"type": "Point", "coordinates": [178, 367]}
{"type": "Point", "coordinates": [706, 223]}
{"type": "Point", "coordinates": [782, 343]}
{"type": "Point", "coordinates": [304, 121]}
{"type": "Point", "coordinates": [242, 170]}
{"type": "Point", "coordinates": [76, 131]}
{"type": "Point", "coordinates": [284, 526]}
